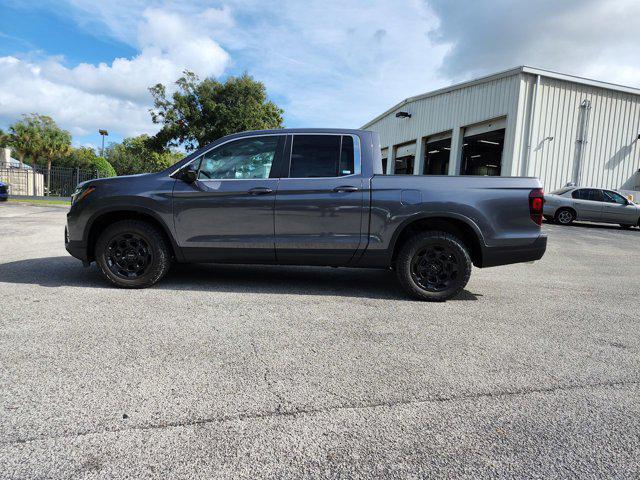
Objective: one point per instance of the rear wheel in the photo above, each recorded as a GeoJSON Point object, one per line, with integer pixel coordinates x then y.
{"type": "Point", "coordinates": [132, 254]}
{"type": "Point", "coordinates": [433, 266]}
{"type": "Point", "coordinates": [565, 216]}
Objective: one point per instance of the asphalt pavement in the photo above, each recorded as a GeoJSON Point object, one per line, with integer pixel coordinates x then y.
{"type": "Point", "coordinates": [269, 372]}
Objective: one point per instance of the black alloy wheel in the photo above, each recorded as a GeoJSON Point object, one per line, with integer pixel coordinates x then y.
{"type": "Point", "coordinates": [435, 268]}
{"type": "Point", "coordinates": [129, 255]}
{"type": "Point", "coordinates": [132, 254]}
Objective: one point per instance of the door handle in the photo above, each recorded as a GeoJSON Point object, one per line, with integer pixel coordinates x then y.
{"type": "Point", "coordinates": [260, 191]}
{"type": "Point", "coordinates": [346, 188]}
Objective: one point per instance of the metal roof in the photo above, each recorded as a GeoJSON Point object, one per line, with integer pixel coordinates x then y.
{"type": "Point", "coordinates": [508, 73]}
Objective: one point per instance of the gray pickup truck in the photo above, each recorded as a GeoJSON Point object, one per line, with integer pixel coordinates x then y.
{"type": "Point", "coordinates": [305, 197]}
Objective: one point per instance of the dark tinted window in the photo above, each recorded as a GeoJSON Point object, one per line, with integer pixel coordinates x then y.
{"type": "Point", "coordinates": [321, 156]}
{"type": "Point", "coordinates": [592, 194]}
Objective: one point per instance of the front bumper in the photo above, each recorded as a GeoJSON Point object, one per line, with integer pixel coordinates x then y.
{"type": "Point", "coordinates": [76, 248]}
{"type": "Point", "coordinates": [494, 256]}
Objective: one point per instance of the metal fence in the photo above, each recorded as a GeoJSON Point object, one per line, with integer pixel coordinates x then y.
{"type": "Point", "coordinates": [38, 181]}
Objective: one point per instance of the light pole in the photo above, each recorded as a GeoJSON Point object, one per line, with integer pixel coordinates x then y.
{"type": "Point", "coordinates": [104, 133]}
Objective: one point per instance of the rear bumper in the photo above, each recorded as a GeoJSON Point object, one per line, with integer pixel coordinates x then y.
{"type": "Point", "coordinates": [494, 256]}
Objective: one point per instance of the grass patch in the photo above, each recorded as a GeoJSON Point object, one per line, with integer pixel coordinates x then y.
{"type": "Point", "coordinates": [38, 201]}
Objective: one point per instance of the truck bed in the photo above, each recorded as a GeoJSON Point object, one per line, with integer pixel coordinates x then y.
{"type": "Point", "coordinates": [495, 208]}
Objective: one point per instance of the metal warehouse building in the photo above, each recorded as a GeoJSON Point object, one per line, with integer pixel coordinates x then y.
{"type": "Point", "coordinates": [520, 122]}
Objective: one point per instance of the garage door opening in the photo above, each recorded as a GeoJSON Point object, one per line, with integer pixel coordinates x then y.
{"type": "Point", "coordinates": [385, 156]}
{"type": "Point", "coordinates": [405, 158]}
{"type": "Point", "coordinates": [482, 153]}
{"type": "Point", "coordinates": [436, 157]}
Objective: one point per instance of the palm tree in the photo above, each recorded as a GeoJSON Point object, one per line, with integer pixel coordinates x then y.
{"type": "Point", "coordinates": [55, 143]}
{"type": "Point", "coordinates": [39, 138]}
{"type": "Point", "coordinates": [25, 138]}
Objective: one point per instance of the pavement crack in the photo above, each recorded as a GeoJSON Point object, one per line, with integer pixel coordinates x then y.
{"type": "Point", "coordinates": [280, 401]}
{"type": "Point", "coordinates": [294, 412]}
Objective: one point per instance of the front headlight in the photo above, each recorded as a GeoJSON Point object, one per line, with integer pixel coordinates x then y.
{"type": "Point", "coordinates": [80, 193]}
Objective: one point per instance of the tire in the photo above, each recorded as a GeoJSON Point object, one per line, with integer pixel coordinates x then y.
{"type": "Point", "coordinates": [449, 258]}
{"type": "Point", "coordinates": [132, 254]}
{"type": "Point", "coordinates": [565, 216]}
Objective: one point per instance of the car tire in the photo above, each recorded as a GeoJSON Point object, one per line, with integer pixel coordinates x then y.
{"type": "Point", "coordinates": [565, 216]}
{"type": "Point", "coordinates": [132, 254]}
{"type": "Point", "coordinates": [433, 266]}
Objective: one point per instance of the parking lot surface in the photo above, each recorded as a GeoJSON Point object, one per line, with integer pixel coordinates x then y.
{"type": "Point", "coordinates": [267, 372]}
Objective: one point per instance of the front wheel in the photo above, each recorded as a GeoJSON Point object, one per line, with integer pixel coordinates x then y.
{"type": "Point", "coordinates": [132, 254]}
{"type": "Point", "coordinates": [433, 266]}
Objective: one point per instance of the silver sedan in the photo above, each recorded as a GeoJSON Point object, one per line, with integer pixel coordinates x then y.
{"type": "Point", "coordinates": [590, 204]}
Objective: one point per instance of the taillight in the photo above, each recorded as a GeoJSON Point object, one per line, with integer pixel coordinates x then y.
{"type": "Point", "coordinates": [536, 203]}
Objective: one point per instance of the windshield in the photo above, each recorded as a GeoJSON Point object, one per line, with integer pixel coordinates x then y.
{"type": "Point", "coordinates": [562, 191]}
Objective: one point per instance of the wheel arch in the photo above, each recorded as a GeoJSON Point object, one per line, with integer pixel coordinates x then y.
{"type": "Point", "coordinates": [566, 207]}
{"type": "Point", "coordinates": [462, 227]}
{"type": "Point", "coordinates": [101, 220]}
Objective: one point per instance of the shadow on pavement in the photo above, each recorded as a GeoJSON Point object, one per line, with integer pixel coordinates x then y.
{"type": "Point", "coordinates": [345, 282]}
{"type": "Point", "coordinates": [602, 226]}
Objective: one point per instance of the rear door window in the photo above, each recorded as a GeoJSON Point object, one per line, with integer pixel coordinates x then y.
{"type": "Point", "coordinates": [592, 194]}
{"type": "Point", "coordinates": [317, 156]}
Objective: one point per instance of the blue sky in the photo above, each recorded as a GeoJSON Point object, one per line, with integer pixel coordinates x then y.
{"type": "Point", "coordinates": [88, 63]}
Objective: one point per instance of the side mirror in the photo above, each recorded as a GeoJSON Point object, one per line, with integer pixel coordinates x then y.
{"type": "Point", "coordinates": [188, 174]}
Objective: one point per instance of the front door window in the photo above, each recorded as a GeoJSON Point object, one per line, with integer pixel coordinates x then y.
{"type": "Point", "coordinates": [249, 158]}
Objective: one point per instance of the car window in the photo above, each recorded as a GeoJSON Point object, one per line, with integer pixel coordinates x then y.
{"type": "Point", "coordinates": [346, 156]}
{"type": "Point", "coordinates": [240, 159]}
{"type": "Point", "coordinates": [592, 194]}
{"type": "Point", "coordinates": [321, 156]}
{"type": "Point", "coordinates": [613, 197]}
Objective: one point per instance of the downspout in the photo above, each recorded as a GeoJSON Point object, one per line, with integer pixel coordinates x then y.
{"type": "Point", "coordinates": [532, 113]}
{"type": "Point", "coordinates": [585, 106]}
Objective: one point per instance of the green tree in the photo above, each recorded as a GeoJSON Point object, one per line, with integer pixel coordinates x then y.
{"type": "Point", "coordinates": [4, 139]}
{"type": "Point", "coordinates": [38, 137]}
{"type": "Point", "coordinates": [200, 112]}
{"type": "Point", "coordinates": [85, 158]}
{"type": "Point", "coordinates": [137, 155]}
{"type": "Point", "coordinates": [25, 137]}
{"type": "Point", "coordinates": [55, 144]}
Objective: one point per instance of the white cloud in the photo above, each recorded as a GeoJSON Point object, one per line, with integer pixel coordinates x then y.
{"type": "Point", "coordinates": [24, 89]}
{"type": "Point", "coordinates": [326, 62]}
{"type": "Point", "coordinates": [113, 95]}
{"type": "Point", "coordinates": [592, 38]}
{"type": "Point", "coordinates": [336, 63]}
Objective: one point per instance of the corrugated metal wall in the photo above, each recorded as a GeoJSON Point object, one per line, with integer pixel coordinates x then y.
{"type": "Point", "coordinates": [453, 110]}
{"type": "Point", "coordinates": [611, 154]}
